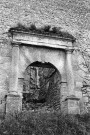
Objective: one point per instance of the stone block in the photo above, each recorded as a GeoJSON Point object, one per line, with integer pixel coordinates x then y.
{"type": "Point", "coordinates": [78, 93]}
{"type": "Point", "coordinates": [2, 109]}
{"type": "Point", "coordinates": [79, 84]}
{"type": "Point", "coordinates": [72, 104]}
{"type": "Point", "coordinates": [13, 104]}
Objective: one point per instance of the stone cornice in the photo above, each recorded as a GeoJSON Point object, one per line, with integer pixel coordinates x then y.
{"type": "Point", "coordinates": [46, 30]}
{"type": "Point", "coordinates": [40, 40]}
{"type": "Point", "coordinates": [57, 36]}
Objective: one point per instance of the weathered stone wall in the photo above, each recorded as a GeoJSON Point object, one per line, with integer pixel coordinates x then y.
{"type": "Point", "coordinates": [73, 16]}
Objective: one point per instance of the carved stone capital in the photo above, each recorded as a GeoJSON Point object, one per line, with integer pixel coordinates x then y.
{"type": "Point", "coordinates": [69, 51]}
{"type": "Point", "coordinates": [72, 97]}
{"type": "Point", "coordinates": [15, 44]}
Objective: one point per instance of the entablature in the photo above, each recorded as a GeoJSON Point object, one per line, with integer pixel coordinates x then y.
{"type": "Point", "coordinates": [41, 40]}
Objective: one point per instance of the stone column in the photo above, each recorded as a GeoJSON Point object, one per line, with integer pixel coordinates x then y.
{"type": "Point", "coordinates": [14, 98]}
{"type": "Point", "coordinates": [70, 76]}
{"type": "Point", "coordinates": [63, 95]}
{"type": "Point", "coordinates": [63, 83]}
{"type": "Point", "coordinates": [14, 70]}
{"type": "Point", "coordinates": [71, 102]}
{"type": "Point", "coordinates": [20, 86]}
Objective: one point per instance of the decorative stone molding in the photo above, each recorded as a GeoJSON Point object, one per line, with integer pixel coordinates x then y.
{"type": "Point", "coordinates": [41, 40]}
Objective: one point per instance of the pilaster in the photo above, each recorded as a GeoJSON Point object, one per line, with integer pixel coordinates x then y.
{"type": "Point", "coordinates": [13, 88]}
{"type": "Point", "coordinates": [14, 99]}
{"type": "Point", "coordinates": [70, 76]}
{"type": "Point", "coordinates": [71, 101]}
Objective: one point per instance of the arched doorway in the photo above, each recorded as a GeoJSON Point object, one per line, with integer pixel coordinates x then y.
{"type": "Point", "coordinates": [27, 49]}
{"type": "Point", "coordinates": [41, 87]}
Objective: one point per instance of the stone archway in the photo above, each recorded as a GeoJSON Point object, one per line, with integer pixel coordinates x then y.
{"type": "Point", "coordinates": [28, 48]}
{"type": "Point", "coordinates": [41, 89]}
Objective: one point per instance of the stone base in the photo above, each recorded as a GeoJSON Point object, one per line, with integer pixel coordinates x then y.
{"type": "Point", "coordinates": [13, 104]}
{"type": "Point", "coordinates": [72, 105]}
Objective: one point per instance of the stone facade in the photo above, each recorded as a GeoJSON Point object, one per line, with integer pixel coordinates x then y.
{"type": "Point", "coordinates": [71, 16]}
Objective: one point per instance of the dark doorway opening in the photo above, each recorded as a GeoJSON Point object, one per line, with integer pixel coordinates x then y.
{"type": "Point", "coordinates": [41, 87]}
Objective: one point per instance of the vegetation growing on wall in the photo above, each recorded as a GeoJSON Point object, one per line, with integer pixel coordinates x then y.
{"type": "Point", "coordinates": [46, 30]}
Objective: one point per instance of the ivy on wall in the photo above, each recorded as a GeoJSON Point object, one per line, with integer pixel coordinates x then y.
{"type": "Point", "coordinates": [46, 30]}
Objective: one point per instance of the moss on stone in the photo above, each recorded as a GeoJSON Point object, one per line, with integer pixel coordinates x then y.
{"type": "Point", "coordinates": [46, 30]}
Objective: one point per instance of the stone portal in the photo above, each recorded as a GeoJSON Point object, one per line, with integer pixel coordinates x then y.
{"type": "Point", "coordinates": [28, 48]}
